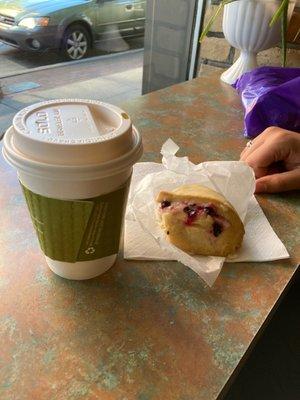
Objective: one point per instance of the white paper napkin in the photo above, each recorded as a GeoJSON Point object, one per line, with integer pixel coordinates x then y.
{"type": "Point", "coordinates": [145, 240]}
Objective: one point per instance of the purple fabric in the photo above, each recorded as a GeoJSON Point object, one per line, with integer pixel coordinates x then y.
{"type": "Point", "coordinates": [271, 97]}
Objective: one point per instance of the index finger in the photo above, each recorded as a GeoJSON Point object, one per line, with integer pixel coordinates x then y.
{"type": "Point", "coordinates": [262, 157]}
{"type": "Point", "coordinates": [268, 134]}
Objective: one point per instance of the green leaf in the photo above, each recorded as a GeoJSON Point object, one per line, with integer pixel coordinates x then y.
{"type": "Point", "coordinates": [279, 12]}
{"type": "Point", "coordinates": [213, 18]}
{"type": "Point", "coordinates": [210, 22]}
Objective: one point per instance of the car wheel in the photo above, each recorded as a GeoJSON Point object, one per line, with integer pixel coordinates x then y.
{"type": "Point", "coordinates": [76, 42]}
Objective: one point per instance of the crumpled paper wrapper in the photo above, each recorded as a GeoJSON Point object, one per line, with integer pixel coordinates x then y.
{"type": "Point", "coordinates": [145, 240]}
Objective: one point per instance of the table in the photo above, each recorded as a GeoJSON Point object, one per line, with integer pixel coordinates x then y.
{"type": "Point", "coordinates": [143, 330]}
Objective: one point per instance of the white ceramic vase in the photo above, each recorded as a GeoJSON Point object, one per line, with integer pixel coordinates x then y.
{"type": "Point", "coordinates": [246, 27]}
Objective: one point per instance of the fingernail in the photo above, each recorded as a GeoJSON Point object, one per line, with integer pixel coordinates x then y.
{"type": "Point", "coordinates": [260, 187]}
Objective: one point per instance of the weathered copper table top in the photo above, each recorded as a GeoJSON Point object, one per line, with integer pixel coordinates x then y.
{"type": "Point", "coordinates": [143, 330]}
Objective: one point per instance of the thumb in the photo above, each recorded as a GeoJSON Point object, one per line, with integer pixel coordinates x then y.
{"type": "Point", "coordinates": [282, 182]}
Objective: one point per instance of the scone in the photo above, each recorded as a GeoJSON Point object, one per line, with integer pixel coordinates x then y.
{"type": "Point", "coordinates": [200, 221]}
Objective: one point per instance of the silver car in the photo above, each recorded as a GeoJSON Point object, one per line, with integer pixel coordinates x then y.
{"type": "Point", "coordinates": [70, 26]}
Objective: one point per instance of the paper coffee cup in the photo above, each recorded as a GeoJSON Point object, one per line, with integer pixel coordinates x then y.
{"type": "Point", "coordinates": [74, 160]}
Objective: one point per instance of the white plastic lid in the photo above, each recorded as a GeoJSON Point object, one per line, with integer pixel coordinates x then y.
{"type": "Point", "coordinates": [72, 133]}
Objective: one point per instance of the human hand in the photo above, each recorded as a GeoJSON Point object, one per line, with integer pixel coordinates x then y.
{"type": "Point", "coordinates": [272, 151]}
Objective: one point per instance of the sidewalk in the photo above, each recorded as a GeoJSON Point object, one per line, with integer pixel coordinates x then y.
{"type": "Point", "coordinates": [113, 79]}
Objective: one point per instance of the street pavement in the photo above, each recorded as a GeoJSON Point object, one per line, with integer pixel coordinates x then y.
{"type": "Point", "coordinates": [112, 78]}
{"type": "Point", "coordinates": [14, 61]}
